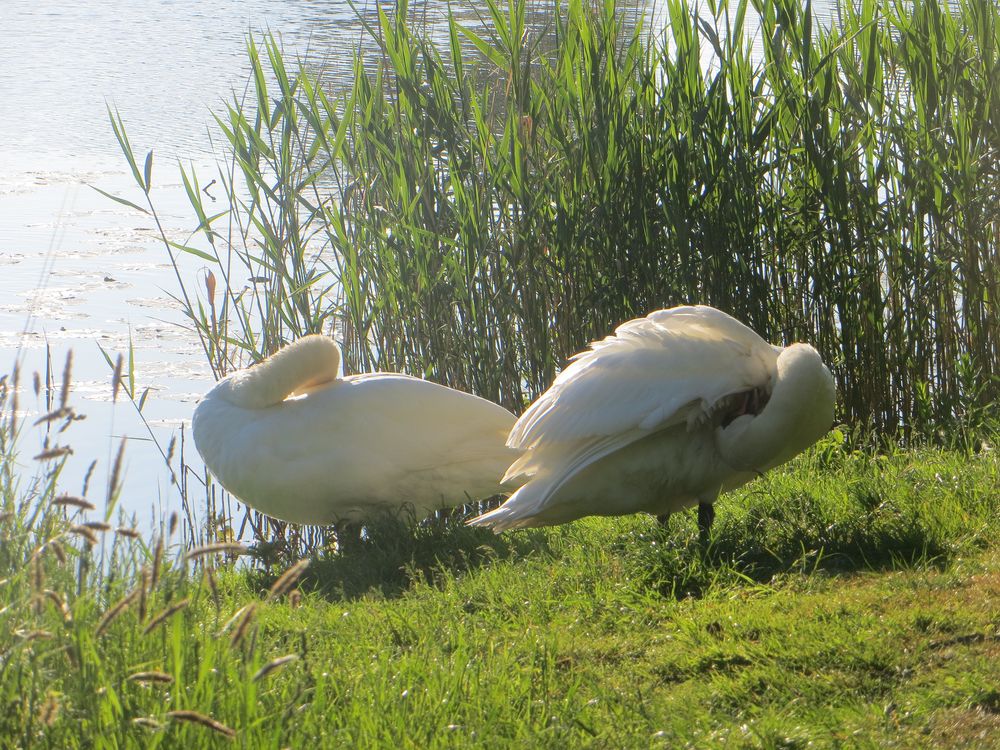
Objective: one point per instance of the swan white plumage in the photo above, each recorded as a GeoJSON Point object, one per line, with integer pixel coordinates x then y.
{"type": "Point", "coordinates": [671, 410]}
{"type": "Point", "coordinates": [293, 440]}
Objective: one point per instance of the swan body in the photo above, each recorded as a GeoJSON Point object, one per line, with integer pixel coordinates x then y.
{"type": "Point", "coordinates": [667, 412]}
{"type": "Point", "coordinates": [293, 440]}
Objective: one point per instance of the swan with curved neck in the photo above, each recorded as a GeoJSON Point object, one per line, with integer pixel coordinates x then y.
{"type": "Point", "coordinates": [293, 439]}
{"type": "Point", "coordinates": [666, 413]}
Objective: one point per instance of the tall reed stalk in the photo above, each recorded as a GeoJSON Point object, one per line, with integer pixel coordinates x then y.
{"type": "Point", "coordinates": [476, 209]}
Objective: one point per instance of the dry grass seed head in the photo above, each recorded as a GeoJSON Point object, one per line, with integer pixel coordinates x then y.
{"type": "Point", "coordinates": [116, 469]}
{"type": "Point", "coordinates": [112, 614]}
{"type": "Point", "coordinates": [157, 558]}
{"type": "Point", "coordinates": [76, 502]}
{"type": "Point", "coordinates": [147, 722]}
{"type": "Point", "coordinates": [231, 548]}
{"type": "Point", "coordinates": [48, 712]}
{"type": "Point", "coordinates": [213, 585]}
{"type": "Point", "coordinates": [287, 580]}
{"type": "Point", "coordinates": [274, 664]}
{"type": "Point", "coordinates": [37, 572]}
{"type": "Point", "coordinates": [87, 533]}
{"type": "Point", "coordinates": [52, 416]}
{"type": "Point", "coordinates": [194, 717]}
{"type": "Point", "coordinates": [116, 378]}
{"type": "Point", "coordinates": [15, 379]}
{"type": "Point", "coordinates": [59, 603]}
{"type": "Point", "coordinates": [166, 614]}
{"type": "Point", "coordinates": [57, 452]}
{"type": "Point", "coordinates": [57, 550]}
{"type": "Point", "coordinates": [144, 578]}
{"type": "Point", "coordinates": [242, 619]}
{"type": "Point", "coordinates": [66, 377]}
{"type": "Point", "coordinates": [33, 635]}
{"type": "Point", "coordinates": [88, 475]}
{"type": "Point", "coordinates": [151, 677]}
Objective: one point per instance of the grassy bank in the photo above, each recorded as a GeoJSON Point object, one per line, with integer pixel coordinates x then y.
{"type": "Point", "coordinates": [848, 600]}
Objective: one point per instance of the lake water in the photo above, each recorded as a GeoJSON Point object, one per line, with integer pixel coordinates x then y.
{"type": "Point", "coordinates": [80, 272]}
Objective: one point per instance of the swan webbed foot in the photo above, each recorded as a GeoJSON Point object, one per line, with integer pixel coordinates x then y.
{"type": "Point", "coordinates": [706, 515]}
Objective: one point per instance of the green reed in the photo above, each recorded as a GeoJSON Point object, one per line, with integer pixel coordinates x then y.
{"type": "Point", "coordinates": [476, 209]}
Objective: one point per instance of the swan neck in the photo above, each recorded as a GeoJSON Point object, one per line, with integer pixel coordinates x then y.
{"type": "Point", "coordinates": [799, 412]}
{"type": "Point", "coordinates": [310, 362]}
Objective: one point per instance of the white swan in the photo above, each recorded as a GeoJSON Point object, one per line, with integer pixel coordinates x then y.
{"type": "Point", "coordinates": [293, 440]}
{"type": "Point", "coordinates": [671, 410]}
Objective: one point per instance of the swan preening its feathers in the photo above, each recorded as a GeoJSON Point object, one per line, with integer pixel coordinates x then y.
{"type": "Point", "coordinates": [668, 412]}
{"type": "Point", "coordinates": [292, 439]}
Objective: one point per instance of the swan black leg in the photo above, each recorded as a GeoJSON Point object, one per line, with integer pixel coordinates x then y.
{"type": "Point", "coordinates": [348, 535]}
{"type": "Point", "coordinates": [706, 515]}
{"type": "Point", "coordinates": [664, 520]}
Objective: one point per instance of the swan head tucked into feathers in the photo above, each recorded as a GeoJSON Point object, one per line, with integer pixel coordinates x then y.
{"type": "Point", "coordinates": [800, 410]}
{"type": "Point", "coordinates": [311, 362]}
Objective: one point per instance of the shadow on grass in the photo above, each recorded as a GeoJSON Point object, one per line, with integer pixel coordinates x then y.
{"type": "Point", "coordinates": [878, 523]}
{"type": "Point", "coordinates": [390, 555]}
{"type": "Point", "coordinates": [799, 535]}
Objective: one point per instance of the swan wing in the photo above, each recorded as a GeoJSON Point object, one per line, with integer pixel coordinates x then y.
{"type": "Point", "coordinates": [430, 430]}
{"type": "Point", "coordinates": [668, 368]}
{"type": "Point", "coordinates": [356, 445]}
{"type": "Point", "coordinates": [406, 400]}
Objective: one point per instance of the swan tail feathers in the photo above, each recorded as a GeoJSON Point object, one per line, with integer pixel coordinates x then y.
{"type": "Point", "coordinates": [520, 511]}
{"type": "Point", "coordinates": [499, 520]}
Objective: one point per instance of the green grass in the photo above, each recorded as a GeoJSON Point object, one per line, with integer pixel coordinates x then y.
{"type": "Point", "coordinates": [847, 600]}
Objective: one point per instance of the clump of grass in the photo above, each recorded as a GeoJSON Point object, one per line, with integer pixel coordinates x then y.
{"type": "Point", "coordinates": [857, 512]}
{"type": "Point", "coordinates": [77, 650]}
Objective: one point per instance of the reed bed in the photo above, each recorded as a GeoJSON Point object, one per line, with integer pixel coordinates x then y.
{"type": "Point", "coordinates": [477, 208]}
